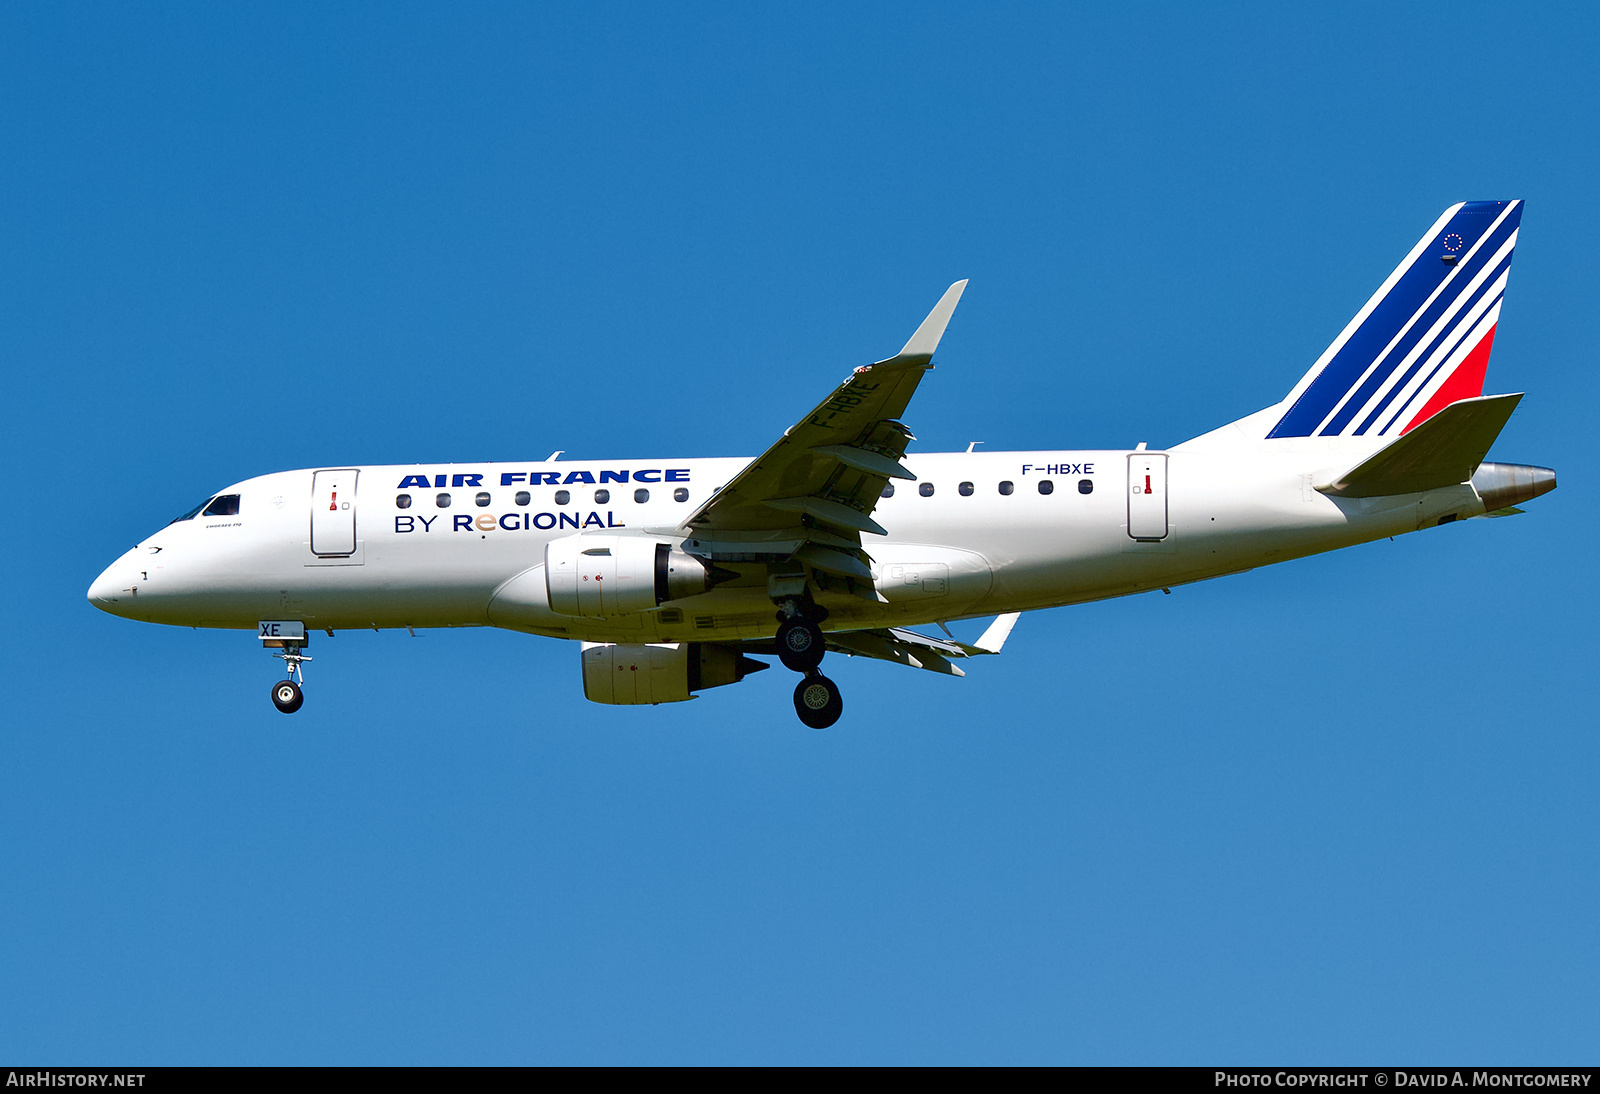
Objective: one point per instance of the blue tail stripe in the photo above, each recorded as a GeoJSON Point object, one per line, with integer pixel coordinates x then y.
{"type": "Point", "coordinates": [1465, 334]}
{"type": "Point", "coordinates": [1451, 331]}
{"type": "Point", "coordinates": [1465, 272]}
{"type": "Point", "coordinates": [1386, 320]}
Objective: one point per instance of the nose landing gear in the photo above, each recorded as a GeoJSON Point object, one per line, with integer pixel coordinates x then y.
{"type": "Point", "coordinates": [289, 638]}
{"type": "Point", "coordinates": [286, 694]}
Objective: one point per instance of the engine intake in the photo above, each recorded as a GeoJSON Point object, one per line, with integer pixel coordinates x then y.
{"type": "Point", "coordinates": [601, 577]}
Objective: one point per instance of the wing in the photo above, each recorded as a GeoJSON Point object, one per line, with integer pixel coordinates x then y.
{"type": "Point", "coordinates": [812, 494]}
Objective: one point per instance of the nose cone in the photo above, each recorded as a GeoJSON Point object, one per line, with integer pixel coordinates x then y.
{"type": "Point", "coordinates": [103, 593]}
{"type": "Point", "coordinates": [1502, 485]}
{"type": "Point", "coordinates": [115, 590]}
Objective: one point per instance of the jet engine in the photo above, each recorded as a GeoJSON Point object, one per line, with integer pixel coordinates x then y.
{"type": "Point", "coordinates": [601, 577]}
{"type": "Point", "coordinates": [659, 673]}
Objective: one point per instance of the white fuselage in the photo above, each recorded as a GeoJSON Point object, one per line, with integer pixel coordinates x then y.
{"type": "Point", "coordinates": [949, 555]}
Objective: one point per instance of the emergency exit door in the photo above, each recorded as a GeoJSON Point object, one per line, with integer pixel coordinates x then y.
{"type": "Point", "coordinates": [1147, 495]}
{"type": "Point", "coordinates": [333, 512]}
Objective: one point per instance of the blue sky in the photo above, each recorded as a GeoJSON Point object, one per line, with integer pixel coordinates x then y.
{"type": "Point", "coordinates": [1337, 811]}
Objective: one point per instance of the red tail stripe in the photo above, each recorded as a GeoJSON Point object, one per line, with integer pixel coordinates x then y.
{"type": "Point", "coordinates": [1465, 382]}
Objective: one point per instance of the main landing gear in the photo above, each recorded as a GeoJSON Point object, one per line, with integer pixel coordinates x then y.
{"type": "Point", "coordinates": [800, 647]}
{"type": "Point", "coordinates": [800, 644]}
{"type": "Point", "coordinates": [817, 701]}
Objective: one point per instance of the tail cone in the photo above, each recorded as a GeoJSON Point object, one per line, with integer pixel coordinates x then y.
{"type": "Point", "coordinates": [1502, 485]}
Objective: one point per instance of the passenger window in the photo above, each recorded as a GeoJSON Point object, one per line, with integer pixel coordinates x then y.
{"type": "Point", "coordinates": [1046, 486]}
{"type": "Point", "coordinates": [602, 496]}
{"type": "Point", "coordinates": [563, 496]}
{"type": "Point", "coordinates": [888, 489]}
{"type": "Point", "coordinates": [523, 497]}
{"type": "Point", "coordinates": [442, 501]}
{"type": "Point", "coordinates": [482, 499]}
{"type": "Point", "coordinates": [225, 505]}
{"type": "Point", "coordinates": [926, 489]}
{"type": "Point", "coordinates": [1085, 486]}
{"type": "Point", "coordinates": [680, 494]}
{"type": "Point", "coordinates": [641, 496]}
{"type": "Point", "coordinates": [1006, 487]}
{"type": "Point", "coordinates": [965, 489]}
{"type": "Point", "coordinates": [403, 501]}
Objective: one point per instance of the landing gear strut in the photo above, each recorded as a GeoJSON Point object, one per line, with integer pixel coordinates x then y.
{"type": "Point", "coordinates": [800, 647]}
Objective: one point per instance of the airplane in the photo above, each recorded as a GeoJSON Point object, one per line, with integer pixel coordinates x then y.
{"type": "Point", "coordinates": [676, 575]}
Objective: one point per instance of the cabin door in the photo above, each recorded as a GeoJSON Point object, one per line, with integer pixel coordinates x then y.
{"type": "Point", "coordinates": [1147, 495]}
{"type": "Point", "coordinates": [333, 512]}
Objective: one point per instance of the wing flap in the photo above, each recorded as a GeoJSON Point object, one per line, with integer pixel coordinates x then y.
{"type": "Point", "coordinates": [861, 459]}
{"type": "Point", "coordinates": [829, 512]}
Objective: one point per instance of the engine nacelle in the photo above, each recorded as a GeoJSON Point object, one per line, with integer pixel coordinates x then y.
{"type": "Point", "coordinates": [602, 577]}
{"type": "Point", "coordinates": [629, 675]}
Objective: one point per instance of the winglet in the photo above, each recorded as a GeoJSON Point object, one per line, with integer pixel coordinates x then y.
{"type": "Point", "coordinates": [992, 639]}
{"type": "Point", "coordinates": [926, 340]}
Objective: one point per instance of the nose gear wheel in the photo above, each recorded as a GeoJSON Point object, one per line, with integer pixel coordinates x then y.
{"type": "Point", "coordinates": [287, 696]}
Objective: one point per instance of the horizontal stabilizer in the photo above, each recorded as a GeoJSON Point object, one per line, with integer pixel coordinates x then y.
{"type": "Point", "coordinates": [1443, 451]}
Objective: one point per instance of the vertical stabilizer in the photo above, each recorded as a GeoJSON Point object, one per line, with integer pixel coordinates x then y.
{"type": "Point", "coordinates": [1421, 343]}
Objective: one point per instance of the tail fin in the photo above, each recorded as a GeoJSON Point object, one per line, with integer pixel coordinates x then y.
{"type": "Point", "coordinates": [1422, 342]}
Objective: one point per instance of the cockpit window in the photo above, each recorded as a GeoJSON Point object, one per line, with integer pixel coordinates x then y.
{"type": "Point", "coordinates": [223, 505]}
{"type": "Point", "coordinates": [191, 514]}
